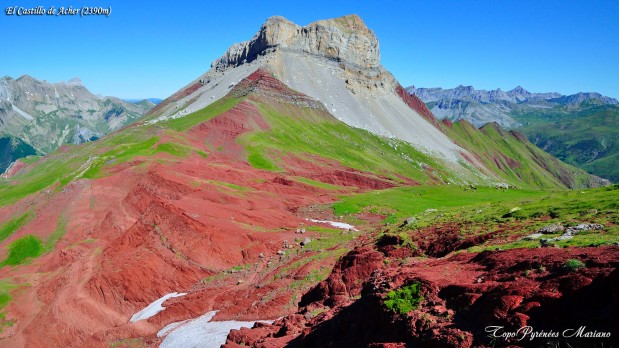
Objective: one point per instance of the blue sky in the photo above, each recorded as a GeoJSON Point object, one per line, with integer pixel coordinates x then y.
{"type": "Point", "coordinates": [153, 48]}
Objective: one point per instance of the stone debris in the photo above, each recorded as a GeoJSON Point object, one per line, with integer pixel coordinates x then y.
{"type": "Point", "coordinates": [570, 232]}
{"type": "Point", "coordinates": [552, 228]}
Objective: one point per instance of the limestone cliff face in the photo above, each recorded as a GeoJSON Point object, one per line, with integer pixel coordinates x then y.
{"type": "Point", "coordinates": [345, 39]}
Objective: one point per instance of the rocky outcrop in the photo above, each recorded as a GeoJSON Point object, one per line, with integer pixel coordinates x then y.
{"type": "Point", "coordinates": [460, 297]}
{"type": "Point", "coordinates": [336, 62]}
{"type": "Point", "coordinates": [346, 39]}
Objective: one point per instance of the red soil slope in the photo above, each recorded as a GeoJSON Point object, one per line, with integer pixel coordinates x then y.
{"type": "Point", "coordinates": [462, 295]}
{"type": "Point", "coordinates": [212, 227]}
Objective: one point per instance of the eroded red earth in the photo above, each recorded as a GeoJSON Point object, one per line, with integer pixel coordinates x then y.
{"type": "Point", "coordinates": [213, 227]}
{"type": "Point", "coordinates": [226, 234]}
{"type": "Point", "coordinates": [463, 294]}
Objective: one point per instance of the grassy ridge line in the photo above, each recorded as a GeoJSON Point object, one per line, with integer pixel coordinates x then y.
{"type": "Point", "coordinates": [533, 168]}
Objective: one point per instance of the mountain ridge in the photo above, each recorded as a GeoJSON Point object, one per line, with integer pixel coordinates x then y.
{"type": "Point", "coordinates": [48, 115]}
{"type": "Point", "coordinates": [579, 129]}
{"type": "Point", "coordinates": [515, 95]}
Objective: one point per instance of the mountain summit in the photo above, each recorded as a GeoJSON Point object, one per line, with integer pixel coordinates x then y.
{"type": "Point", "coordinates": [335, 61]}
{"type": "Point", "coordinates": [346, 39]}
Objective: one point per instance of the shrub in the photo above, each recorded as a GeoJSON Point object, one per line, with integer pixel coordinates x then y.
{"type": "Point", "coordinates": [574, 264]}
{"type": "Point", "coordinates": [404, 299]}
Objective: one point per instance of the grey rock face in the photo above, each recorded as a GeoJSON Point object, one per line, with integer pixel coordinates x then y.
{"type": "Point", "coordinates": [481, 106]}
{"type": "Point", "coordinates": [48, 115]}
{"type": "Point", "coordinates": [345, 39]}
{"type": "Point", "coordinates": [552, 228]}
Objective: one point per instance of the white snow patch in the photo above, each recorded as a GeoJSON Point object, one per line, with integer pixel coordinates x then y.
{"type": "Point", "coordinates": [335, 224]}
{"type": "Point", "coordinates": [154, 307]}
{"type": "Point", "coordinates": [201, 332]}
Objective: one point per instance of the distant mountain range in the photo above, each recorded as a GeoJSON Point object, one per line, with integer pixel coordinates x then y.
{"type": "Point", "coordinates": [45, 116]}
{"type": "Point", "coordinates": [580, 129]}
{"type": "Point", "coordinates": [481, 106]}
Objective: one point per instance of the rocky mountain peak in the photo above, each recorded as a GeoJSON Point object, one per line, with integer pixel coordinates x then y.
{"type": "Point", "coordinates": [26, 78]}
{"type": "Point", "coordinates": [75, 81]}
{"type": "Point", "coordinates": [519, 92]}
{"type": "Point", "coordinates": [346, 39]}
{"type": "Point", "coordinates": [519, 89]}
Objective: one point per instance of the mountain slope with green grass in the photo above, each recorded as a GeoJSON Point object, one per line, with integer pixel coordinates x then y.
{"type": "Point", "coordinates": [585, 137]}
{"type": "Point", "coordinates": [518, 161]}
{"type": "Point", "coordinates": [301, 130]}
{"type": "Point", "coordinates": [579, 129]}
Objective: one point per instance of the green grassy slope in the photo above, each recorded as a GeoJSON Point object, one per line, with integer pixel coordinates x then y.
{"type": "Point", "coordinates": [515, 159]}
{"type": "Point", "coordinates": [308, 131]}
{"type": "Point", "coordinates": [510, 216]}
{"type": "Point", "coordinates": [585, 137]}
{"type": "Point", "coordinates": [303, 131]}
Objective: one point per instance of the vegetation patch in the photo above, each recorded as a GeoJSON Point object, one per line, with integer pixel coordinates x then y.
{"type": "Point", "coordinates": [54, 237]}
{"type": "Point", "coordinates": [482, 222]}
{"type": "Point", "coordinates": [173, 149]}
{"type": "Point", "coordinates": [120, 154]}
{"type": "Point", "coordinates": [574, 264]}
{"type": "Point", "coordinates": [6, 286]}
{"type": "Point", "coordinates": [318, 184]}
{"type": "Point", "coordinates": [186, 122]}
{"type": "Point", "coordinates": [329, 238]}
{"type": "Point", "coordinates": [22, 250]}
{"type": "Point", "coordinates": [12, 226]}
{"type": "Point", "coordinates": [258, 160]}
{"type": "Point", "coordinates": [404, 299]}
{"type": "Point", "coordinates": [313, 277]}
{"type": "Point", "coordinates": [307, 131]}
{"type": "Point", "coordinates": [407, 201]}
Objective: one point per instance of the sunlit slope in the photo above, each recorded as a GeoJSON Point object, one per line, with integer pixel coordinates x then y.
{"type": "Point", "coordinates": [515, 159]}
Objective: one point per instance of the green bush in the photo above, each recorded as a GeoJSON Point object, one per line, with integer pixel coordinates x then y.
{"type": "Point", "coordinates": [574, 264]}
{"type": "Point", "coordinates": [404, 299]}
